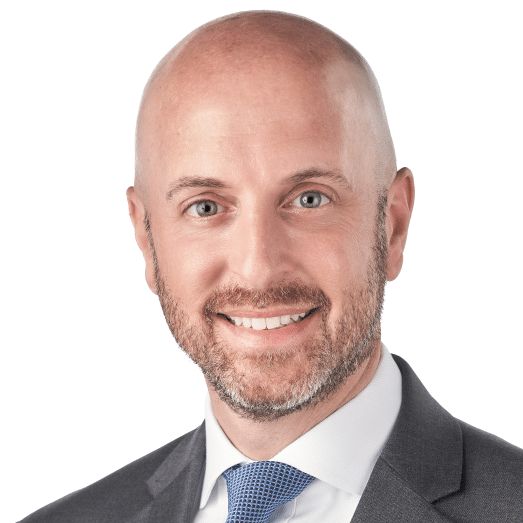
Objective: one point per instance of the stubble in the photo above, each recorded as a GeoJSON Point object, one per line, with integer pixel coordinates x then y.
{"type": "Point", "coordinates": [273, 383]}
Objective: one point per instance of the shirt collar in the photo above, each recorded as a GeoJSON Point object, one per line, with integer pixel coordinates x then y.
{"type": "Point", "coordinates": [341, 450]}
{"type": "Point", "coordinates": [221, 454]}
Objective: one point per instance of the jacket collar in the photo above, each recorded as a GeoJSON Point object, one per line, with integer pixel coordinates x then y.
{"type": "Point", "coordinates": [425, 445]}
{"type": "Point", "coordinates": [177, 483]}
{"type": "Point", "coordinates": [421, 462]}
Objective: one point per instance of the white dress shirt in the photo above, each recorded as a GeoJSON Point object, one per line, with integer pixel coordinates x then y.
{"type": "Point", "coordinates": [340, 452]}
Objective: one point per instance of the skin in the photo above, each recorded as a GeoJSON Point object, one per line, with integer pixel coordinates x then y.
{"type": "Point", "coordinates": [240, 102]}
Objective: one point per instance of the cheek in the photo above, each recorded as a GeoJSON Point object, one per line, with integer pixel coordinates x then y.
{"type": "Point", "coordinates": [338, 263]}
{"type": "Point", "coordinates": [332, 255]}
{"type": "Point", "coordinates": [339, 253]}
{"type": "Point", "coordinates": [335, 261]}
{"type": "Point", "coordinates": [191, 264]}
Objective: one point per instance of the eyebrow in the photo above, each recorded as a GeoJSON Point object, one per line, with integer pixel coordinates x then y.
{"type": "Point", "coordinates": [187, 182]}
{"type": "Point", "coordinates": [333, 176]}
{"type": "Point", "coordinates": [194, 181]}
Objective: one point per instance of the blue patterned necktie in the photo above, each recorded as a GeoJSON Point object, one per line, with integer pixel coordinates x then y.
{"type": "Point", "coordinates": [257, 489]}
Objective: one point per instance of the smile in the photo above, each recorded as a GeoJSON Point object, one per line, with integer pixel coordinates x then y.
{"type": "Point", "coordinates": [276, 322]}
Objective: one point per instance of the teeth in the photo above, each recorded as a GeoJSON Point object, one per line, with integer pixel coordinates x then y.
{"type": "Point", "coordinates": [273, 323]}
{"type": "Point", "coordinates": [258, 324]}
{"type": "Point", "coordinates": [267, 323]}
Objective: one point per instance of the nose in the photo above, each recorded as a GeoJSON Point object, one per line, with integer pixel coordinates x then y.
{"type": "Point", "coordinates": [260, 248]}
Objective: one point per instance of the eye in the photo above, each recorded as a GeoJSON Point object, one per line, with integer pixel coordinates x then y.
{"type": "Point", "coordinates": [204, 209]}
{"type": "Point", "coordinates": [311, 200]}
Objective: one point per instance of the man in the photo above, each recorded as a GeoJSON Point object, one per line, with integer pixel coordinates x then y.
{"type": "Point", "coordinates": [270, 213]}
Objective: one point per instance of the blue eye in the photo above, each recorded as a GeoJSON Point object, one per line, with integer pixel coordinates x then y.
{"type": "Point", "coordinates": [204, 209]}
{"type": "Point", "coordinates": [311, 200]}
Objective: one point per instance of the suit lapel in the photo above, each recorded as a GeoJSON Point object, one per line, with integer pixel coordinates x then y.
{"type": "Point", "coordinates": [176, 485]}
{"type": "Point", "coordinates": [421, 462]}
{"type": "Point", "coordinates": [388, 499]}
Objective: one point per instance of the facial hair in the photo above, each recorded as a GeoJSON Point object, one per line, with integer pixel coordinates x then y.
{"type": "Point", "coordinates": [274, 383]}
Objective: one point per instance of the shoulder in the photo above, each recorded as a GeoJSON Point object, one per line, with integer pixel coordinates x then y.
{"type": "Point", "coordinates": [491, 481]}
{"type": "Point", "coordinates": [120, 495]}
{"type": "Point", "coordinates": [468, 474]}
{"type": "Point", "coordinates": [491, 464]}
{"type": "Point", "coordinates": [484, 449]}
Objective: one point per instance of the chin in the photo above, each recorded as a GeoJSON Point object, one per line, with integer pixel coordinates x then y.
{"type": "Point", "coordinates": [277, 384]}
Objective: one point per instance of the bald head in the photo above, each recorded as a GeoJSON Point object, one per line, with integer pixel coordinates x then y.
{"type": "Point", "coordinates": [263, 153]}
{"type": "Point", "coordinates": [248, 60]}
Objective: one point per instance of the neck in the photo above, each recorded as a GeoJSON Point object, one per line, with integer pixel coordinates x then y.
{"type": "Point", "coordinates": [261, 441]}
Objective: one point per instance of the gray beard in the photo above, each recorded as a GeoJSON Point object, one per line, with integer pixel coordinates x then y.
{"type": "Point", "coordinates": [254, 391]}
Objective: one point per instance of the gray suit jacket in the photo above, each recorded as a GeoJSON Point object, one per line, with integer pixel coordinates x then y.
{"type": "Point", "coordinates": [433, 469]}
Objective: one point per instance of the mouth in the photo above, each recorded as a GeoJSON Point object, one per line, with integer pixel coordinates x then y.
{"type": "Point", "coordinates": [272, 323]}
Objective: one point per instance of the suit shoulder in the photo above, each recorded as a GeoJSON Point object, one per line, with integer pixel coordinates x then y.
{"type": "Point", "coordinates": [492, 480]}
{"type": "Point", "coordinates": [113, 498]}
{"type": "Point", "coordinates": [482, 448]}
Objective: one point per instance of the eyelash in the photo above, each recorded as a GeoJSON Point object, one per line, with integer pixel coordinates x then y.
{"type": "Point", "coordinates": [322, 203]}
{"type": "Point", "coordinates": [200, 201]}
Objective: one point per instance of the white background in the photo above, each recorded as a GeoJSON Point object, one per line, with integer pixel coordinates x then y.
{"type": "Point", "coordinates": [91, 378]}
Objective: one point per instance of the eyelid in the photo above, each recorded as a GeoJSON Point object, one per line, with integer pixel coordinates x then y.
{"type": "Point", "coordinates": [323, 195]}
{"type": "Point", "coordinates": [195, 215]}
{"type": "Point", "coordinates": [214, 198]}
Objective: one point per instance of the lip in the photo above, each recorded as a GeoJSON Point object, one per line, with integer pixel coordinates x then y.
{"type": "Point", "coordinates": [251, 339]}
{"type": "Point", "coordinates": [265, 313]}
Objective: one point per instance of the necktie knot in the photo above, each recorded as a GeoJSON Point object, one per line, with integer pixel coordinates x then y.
{"type": "Point", "coordinates": [257, 489]}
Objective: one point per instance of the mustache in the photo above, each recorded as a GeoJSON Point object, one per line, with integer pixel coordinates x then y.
{"type": "Point", "coordinates": [293, 293]}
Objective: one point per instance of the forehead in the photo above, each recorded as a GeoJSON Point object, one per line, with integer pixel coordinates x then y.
{"type": "Point", "coordinates": [271, 118]}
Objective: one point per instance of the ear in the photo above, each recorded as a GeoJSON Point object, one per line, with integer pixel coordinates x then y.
{"type": "Point", "coordinates": [400, 200]}
{"type": "Point", "coordinates": [137, 214]}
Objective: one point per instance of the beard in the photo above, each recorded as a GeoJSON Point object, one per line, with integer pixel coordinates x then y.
{"type": "Point", "coordinates": [276, 382]}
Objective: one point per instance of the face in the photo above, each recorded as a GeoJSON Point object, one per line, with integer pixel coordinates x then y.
{"type": "Point", "coordinates": [267, 235]}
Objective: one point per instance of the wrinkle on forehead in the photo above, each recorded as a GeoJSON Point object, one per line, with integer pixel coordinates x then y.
{"type": "Point", "coordinates": [257, 56]}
